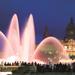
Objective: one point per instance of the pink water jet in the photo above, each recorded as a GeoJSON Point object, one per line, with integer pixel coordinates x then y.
{"type": "Point", "coordinates": [50, 50]}
{"type": "Point", "coordinates": [22, 49]}
{"type": "Point", "coordinates": [28, 40]}
{"type": "Point", "coordinates": [5, 47]}
{"type": "Point", "coordinates": [13, 35]}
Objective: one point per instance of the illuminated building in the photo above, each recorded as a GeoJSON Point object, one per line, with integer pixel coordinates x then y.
{"type": "Point", "coordinates": [69, 40]}
{"type": "Point", "coordinates": [69, 46]}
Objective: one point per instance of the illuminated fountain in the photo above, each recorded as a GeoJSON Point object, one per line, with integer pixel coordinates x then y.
{"type": "Point", "coordinates": [28, 40]}
{"type": "Point", "coordinates": [24, 49]}
{"type": "Point", "coordinates": [13, 35]}
{"type": "Point", "coordinates": [13, 48]}
{"type": "Point", "coordinates": [50, 50]}
{"type": "Point", "coordinates": [6, 50]}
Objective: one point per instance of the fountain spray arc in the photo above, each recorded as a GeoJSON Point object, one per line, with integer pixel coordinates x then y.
{"type": "Point", "coordinates": [6, 49]}
{"type": "Point", "coordinates": [28, 40]}
{"type": "Point", "coordinates": [13, 35]}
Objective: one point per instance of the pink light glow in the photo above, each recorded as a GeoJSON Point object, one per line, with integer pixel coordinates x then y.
{"type": "Point", "coordinates": [23, 49]}
{"type": "Point", "coordinates": [47, 55]}
{"type": "Point", "coordinates": [6, 49]}
{"type": "Point", "coordinates": [28, 40]}
{"type": "Point", "coordinates": [13, 35]}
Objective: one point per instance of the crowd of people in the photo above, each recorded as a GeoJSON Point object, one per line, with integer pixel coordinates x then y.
{"type": "Point", "coordinates": [34, 67]}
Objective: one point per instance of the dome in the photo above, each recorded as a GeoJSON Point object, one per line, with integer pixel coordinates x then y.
{"type": "Point", "coordinates": [50, 50]}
